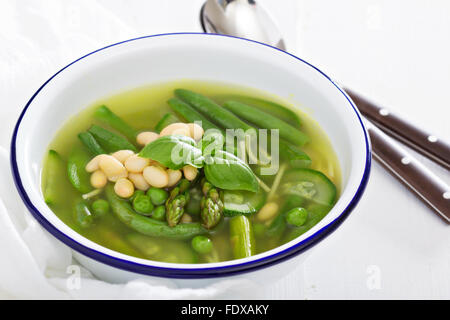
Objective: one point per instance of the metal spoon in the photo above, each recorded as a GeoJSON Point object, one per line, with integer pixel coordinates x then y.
{"type": "Point", "coordinates": [246, 19]}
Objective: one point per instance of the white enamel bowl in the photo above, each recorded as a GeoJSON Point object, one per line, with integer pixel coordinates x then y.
{"type": "Point", "coordinates": [161, 58]}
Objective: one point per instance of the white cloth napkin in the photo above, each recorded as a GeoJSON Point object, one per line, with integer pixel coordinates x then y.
{"type": "Point", "coordinates": [35, 265]}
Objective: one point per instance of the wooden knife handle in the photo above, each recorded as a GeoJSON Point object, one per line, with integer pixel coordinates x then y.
{"type": "Point", "coordinates": [423, 182]}
{"type": "Point", "coordinates": [422, 141]}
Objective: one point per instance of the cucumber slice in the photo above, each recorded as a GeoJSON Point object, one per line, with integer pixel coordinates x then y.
{"type": "Point", "coordinates": [167, 119]}
{"type": "Point", "coordinates": [309, 184]}
{"type": "Point", "coordinates": [242, 202]}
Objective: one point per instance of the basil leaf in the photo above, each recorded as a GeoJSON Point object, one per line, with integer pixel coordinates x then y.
{"type": "Point", "coordinates": [174, 152]}
{"type": "Point", "coordinates": [226, 171]}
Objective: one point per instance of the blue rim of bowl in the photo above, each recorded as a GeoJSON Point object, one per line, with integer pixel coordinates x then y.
{"type": "Point", "coordinates": [197, 272]}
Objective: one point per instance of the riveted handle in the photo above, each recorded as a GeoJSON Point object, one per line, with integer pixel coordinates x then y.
{"type": "Point", "coordinates": [419, 179]}
{"type": "Point", "coordinates": [420, 140]}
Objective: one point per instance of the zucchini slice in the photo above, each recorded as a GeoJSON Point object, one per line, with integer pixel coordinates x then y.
{"type": "Point", "coordinates": [309, 184]}
{"type": "Point", "coordinates": [237, 202]}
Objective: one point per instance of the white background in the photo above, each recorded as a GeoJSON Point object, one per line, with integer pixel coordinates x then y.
{"type": "Point", "coordinates": [395, 52]}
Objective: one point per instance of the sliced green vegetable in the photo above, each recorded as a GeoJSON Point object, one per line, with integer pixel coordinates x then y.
{"type": "Point", "coordinates": [78, 175]}
{"type": "Point", "coordinates": [82, 215]}
{"type": "Point", "coordinates": [167, 119]}
{"type": "Point", "coordinates": [242, 202]}
{"type": "Point", "coordinates": [55, 165]}
{"type": "Point", "coordinates": [89, 141]}
{"type": "Point", "coordinates": [241, 237]}
{"type": "Point", "coordinates": [309, 184]}
{"type": "Point", "coordinates": [273, 108]}
{"type": "Point", "coordinates": [146, 225]}
{"type": "Point", "coordinates": [105, 115]}
{"type": "Point", "coordinates": [110, 141]}
{"type": "Point", "coordinates": [267, 121]}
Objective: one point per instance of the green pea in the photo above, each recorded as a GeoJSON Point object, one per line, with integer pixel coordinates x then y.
{"type": "Point", "coordinates": [157, 196]}
{"type": "Point", "coordinates": [297, 216]}
{"type": "Point", "coordinates": [100, 207]}
{"type": "Point", "coordinates": [142, 204]}
{"type": "Point", "coordinates": [202, 244]}
{"type": "Point", "coordinates": [159, 213]}
{"type": "Point", "coordinates": [135, 194]}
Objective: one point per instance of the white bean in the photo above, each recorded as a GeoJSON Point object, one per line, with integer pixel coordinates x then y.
{"type": "Point", "coordinates": [138, 181]}
{"type": "Point", "coordinates": [174, 177]}
{"type": "Point", "coordinates": [124, 188]}
{"type": "Point", "coordinates": [146, 137]}
{"type": "Point", "coordinates": [93, 165]}
{"type": "Point", "coordinates": [136, 164]}
{"type": "Point", "coordinates": [196, 131]}
{"type": "Point", "coordinates": [186, 218]}
{"type": "Point", "coordinates": [112, 167]}
{"type": "Point", "coordinates": [98, 179]}
{"type": "Point", "coordinates": [178, 128]}
{"type": "Point", "coordinates": [190, 172]}
{"type": "Point", "coordinates": [122, 155]}
{"type": "Point", "coordinates": [268, 211]}
{"type": "Point", "coordinates": [156, 176]}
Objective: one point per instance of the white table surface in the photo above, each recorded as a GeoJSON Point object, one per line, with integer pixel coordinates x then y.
{"type": "Point", "coordinates": [396, 52]}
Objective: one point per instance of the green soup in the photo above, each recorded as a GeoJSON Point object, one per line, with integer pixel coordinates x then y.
{"type": "Point", "coordinates": [227, 211]}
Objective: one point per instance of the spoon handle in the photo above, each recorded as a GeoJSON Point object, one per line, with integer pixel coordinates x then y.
{"type": "Point", "coordinates": [423, 142]}
{"type": "Point", "coordinates": [423, 182]}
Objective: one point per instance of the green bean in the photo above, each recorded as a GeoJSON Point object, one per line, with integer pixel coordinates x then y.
{"type": "Point", "coordinates": [241, 237]}
{"type": "Point", "coordinates": [110, 141]}
{"type": "Point", "coordinates": [82, 215]}
{"type": "Point", "coordinates": [55, 165]}
{"type": "Point", "coordinates": [157, 196]}
{"type": "Point", "coordinates": [167, 119]}
{"type": "Point", "coordinates": [267, 121]}
{"type": "Point", "coordinates": [227, 119]}
{"type": "Point", "coordinates": [219, 115]}
{"type": "Point", "coordinates": [202, 244]}
{"type": "Point", "coordinates": [89, 141]}
{"type": "Point", "coordinates": [148, 226]}
{"type": "Point", "coordinates": [190, 114]}
{"type": "Point", "coordinates": [142, 205]}
{"type": "Point", "coordinates": [78, 175]}
{"type": "Point", "coordinates": [297, 216]}
{"type": "Point", "coordinates": [100, 207]}
{"type": "Point", "coordinates": [273, 108]}
{"type": "Point", "coordinates": [105, 115]}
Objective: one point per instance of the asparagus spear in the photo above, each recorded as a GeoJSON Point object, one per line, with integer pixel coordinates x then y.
{"type": "Point", "coordinates": [175, 205]}
{"type": "Point", "coordinates": [211, 205]}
